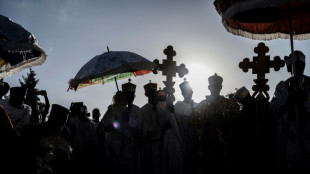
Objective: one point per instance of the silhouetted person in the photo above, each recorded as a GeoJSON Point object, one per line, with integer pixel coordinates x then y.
{"type": "Point", "coordinates": [108, 133]}
{"type": "Point", "coordinates": [257, 130]}
{"type": "Point", "coordinates": [38, 114]}
{"type": "Point", "coordinates": [213, 118]}
{"type": "Point", "coordinates": [291, 107]}
{"type": "Point", "coordinates": [183, 110]}
{"type": "Point", "coordinates": [173, 147]}
{"type": "Point", "coordinates": [18, 112]}
{"type": "Point", "coordinates": [96, 116]}
{"type": "Point", "coordinates": [83, 138]}
{"type": "Point", "coordinates": [152, 130]}
{"type": "Point", "coordinates": [122, 123]}
{"type": "Point", "coordinates": [43, 148]}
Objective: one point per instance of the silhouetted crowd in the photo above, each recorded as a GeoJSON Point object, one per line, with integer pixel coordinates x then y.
{"type": "Point", "coordinates": [235, 134]}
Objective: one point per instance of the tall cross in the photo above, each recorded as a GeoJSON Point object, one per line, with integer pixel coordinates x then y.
{"type": "Point", "coordinates": [260, 66]}
{"type": "Point", "coordinates": [169, 69]}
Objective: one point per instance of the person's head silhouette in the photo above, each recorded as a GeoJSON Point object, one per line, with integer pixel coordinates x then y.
{"type": "Point", "coordinates": [96, 114]}
{"type": "Point", "coordinates": [186, 90]}
{"type": "Point", "coordinates": [17, 96]}
{"type": "Point", "coordinates": [129, 90]}
{"type": "Point", "coordinates": [215, 85]}
{"type": "Point", "coordinates": [151, 92]}
{"type": "Point", "coordinates": [300, 62]}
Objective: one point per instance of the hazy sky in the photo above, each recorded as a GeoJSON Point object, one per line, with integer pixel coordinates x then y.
{"type": "Point", "coordinates": [73, 31]}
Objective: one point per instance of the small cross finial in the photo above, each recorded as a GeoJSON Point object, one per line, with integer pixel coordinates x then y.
{"type": "Point", "coordinates": [150, 81]}
{"type": "Point", "coordinates": [129, 80]}
{"type": "Point", "coordinates": [169, 52]}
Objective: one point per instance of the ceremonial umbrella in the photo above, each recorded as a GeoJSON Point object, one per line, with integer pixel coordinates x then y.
{"type": "Point", "coordinates": [266, 19]}
{"type": "Point", "coordinates": [111, 66]}
{"type": "Point", "coordinates": [19, 48]}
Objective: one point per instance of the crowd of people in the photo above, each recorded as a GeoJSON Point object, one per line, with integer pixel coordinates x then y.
{"type": "Point", "coordinates": [217, 135]}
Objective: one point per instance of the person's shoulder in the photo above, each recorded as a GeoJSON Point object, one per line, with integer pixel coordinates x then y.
{"type": "Point", "coordinates": [135, 107]}
{"type": "Point", "coordinates": [202, 103]}
{"type": "Point", "coordinates": [26, 106]}
{"type": "Point", "coordinates": [228, 100]}
{"type": "Point", "coordinates": [307, 77]}
{"type": "Point", "coordinates": [178, 102]}
{"type": "Point", "coordinates": [146, 106]}
{"type": "Point", "coordinates": [287, 81]}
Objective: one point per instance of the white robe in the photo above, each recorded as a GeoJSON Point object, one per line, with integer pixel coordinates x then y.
{"type": "Point", "coordinates": [189, 136]}
{"type": "Point", "coordinates": [173, 148]}
{"type": "Point", "coordinates": [19, 116]}
{"type": "Point", "coordinates": [152, 139]}
{"type": "Point", "coordinates": [122, 141]}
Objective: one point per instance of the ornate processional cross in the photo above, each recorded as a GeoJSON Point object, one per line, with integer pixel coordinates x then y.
{"type": "Point", "coordinates": [260, 66]}
{"type": "Point", "coordinates": [169, 69]}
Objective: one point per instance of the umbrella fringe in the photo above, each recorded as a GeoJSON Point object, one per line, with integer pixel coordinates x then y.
{"type": "Point", "coordinates": [8, 70]}
{"type": "Point", "coordinates": [272, 36]}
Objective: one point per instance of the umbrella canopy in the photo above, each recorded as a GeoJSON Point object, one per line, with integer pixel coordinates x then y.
{"type": "Point", "coordinates": [110, 66]}
{"type": "Point", "coordinates": [19, 48]}
{"type": "Point", "coordinates": [266, 19]}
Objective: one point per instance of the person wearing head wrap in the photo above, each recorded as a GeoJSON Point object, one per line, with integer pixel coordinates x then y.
{"type": "Point", "coordinates": [18, 112]}
{"type": "Point", "coordinates": [291, 107]}
{"type": "Point", "coordinates": [183, 110]}
{"type": "Point", "coordinates": [213, 118]}
{"type": "Point", "coordinates": [122, 124]}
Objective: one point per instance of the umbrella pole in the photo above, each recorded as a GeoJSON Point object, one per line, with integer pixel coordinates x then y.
{"type": "Point", "coordinates": [293, 64]}
{"type": "Point", "coordinates": [116, 83]}
{"type": "Point", "coordinates": [291, 39]}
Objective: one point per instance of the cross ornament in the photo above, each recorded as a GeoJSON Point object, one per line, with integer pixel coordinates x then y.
{"type": "Point", "coordinates": [260, 66]}
{"type": "Point", "coordinates": [169, 69]}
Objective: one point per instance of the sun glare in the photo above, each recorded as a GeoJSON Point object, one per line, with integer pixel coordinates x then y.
{"type": "Point", "coordinates": [198, 78]}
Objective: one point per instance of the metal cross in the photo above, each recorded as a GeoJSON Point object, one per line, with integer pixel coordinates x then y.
{"type": "Point", "coordinates": [169, 69]}
{"type": "Point", "coordinates": [260, 66]}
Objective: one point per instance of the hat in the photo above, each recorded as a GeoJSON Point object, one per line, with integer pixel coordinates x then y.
{"type": "Point", "coordinates": [185, 85]}
{"type": "Point", "coordinates": [150, 86]}
{"type": "Point", "coordinates": [215, 80]}
{"type": "Point", "coordinates": [128, 87]}
{"type": "Point", "coordinates": [58, 114]}
{"type": "Point", "coordinates": [241, 93]}
{"type": "Point", "coordinates": [161, 92]}
{"type": "Point", "coordinates": [19, 91]}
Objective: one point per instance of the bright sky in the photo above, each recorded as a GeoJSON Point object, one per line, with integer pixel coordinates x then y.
{"type": "Point", "coordinates": [73, 31]}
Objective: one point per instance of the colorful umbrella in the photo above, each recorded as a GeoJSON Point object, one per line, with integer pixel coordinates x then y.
{"type": "Point", "coordinates": [19, 48]}
{"type": "Point", "coordinates": [266, 19]}
{"type": "Point", "coordinates": [111, 66]}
